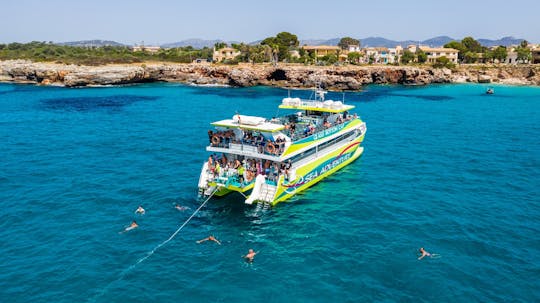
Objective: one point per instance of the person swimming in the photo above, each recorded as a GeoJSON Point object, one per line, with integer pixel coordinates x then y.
{"type": "Point", "coordinates": [181, 208]}
{"type": "Point", "coordinates": [250, 255]}
{"type": "Point", "coordinates": [140, 210]}
{"type": "Point", "coordinates": [210, 238]}
{"type": "Point", "coordinates": [424, 253]}
{"type": "Point", "coordinates": [132, 226]}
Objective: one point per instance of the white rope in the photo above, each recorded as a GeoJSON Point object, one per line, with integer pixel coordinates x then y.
{"type": "Point", "coordinates": [125, 271]}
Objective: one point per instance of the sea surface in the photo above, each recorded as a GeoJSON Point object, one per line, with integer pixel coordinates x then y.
{"type": "Point", "coordinates": [445, 167]}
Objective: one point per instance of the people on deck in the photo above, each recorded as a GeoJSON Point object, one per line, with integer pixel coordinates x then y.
{"type": "Point", "coordinates": [250, 255]}
{"type": "Point", "coordinates": [326, 124]}
{"type": "Point", "coordinates": [209, 238]}
{"type": "Point", "coordinates": [140, 210]}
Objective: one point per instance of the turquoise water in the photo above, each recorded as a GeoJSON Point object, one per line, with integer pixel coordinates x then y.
{"type": "Point", "coordinates": [445, 167]}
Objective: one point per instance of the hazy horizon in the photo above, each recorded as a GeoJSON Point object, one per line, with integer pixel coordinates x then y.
{"type": "Point", "coordinates": [160, 22]}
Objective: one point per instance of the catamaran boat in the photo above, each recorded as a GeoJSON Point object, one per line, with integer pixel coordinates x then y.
{"type": "Point", "coordinates": [271, 160]}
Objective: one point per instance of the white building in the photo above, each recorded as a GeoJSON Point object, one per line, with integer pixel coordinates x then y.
{"type": "Point", "coordinates": [434, 53]}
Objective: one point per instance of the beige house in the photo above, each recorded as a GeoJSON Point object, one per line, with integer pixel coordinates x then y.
{"type": "Point", "coordinates": [143, 48]}
{"type": "Point", "coordinates": [322, 50]}
{"type": "Point", "coordinates": [226, 53]}
{"type": "Point", "coordinates": [434, 53]}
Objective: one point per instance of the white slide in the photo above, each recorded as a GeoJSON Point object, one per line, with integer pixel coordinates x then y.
{"type": "Point", "coordinates": [259, 181]}
{"type": "Point", "coordinates": [203, 179]}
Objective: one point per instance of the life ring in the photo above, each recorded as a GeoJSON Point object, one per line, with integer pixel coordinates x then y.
{"type": "Point", "coordinates": [270, 148]}
{"type": "Point", "coordinates": [215, 140]}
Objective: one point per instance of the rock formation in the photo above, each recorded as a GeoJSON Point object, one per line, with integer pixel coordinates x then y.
{"type": "Point", "coordinates": [299, 76]}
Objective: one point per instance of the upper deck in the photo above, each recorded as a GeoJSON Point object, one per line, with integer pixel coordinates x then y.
{"type": "Point", "coordinates": [250, 123]}
{"type": "Point", "coordinates": [328, 106]}
{"type": "Point", "coordinates": [313, 123]}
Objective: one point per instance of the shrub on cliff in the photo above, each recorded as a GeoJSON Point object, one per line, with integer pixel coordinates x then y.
{"type": "Point", "coordinates": [42, 51]}
{"type": "Point", "coordinates": [443, 62]}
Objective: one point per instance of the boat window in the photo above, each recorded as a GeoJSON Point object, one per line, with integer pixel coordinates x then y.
{"type": "Point", "coordinates": [312, 150]}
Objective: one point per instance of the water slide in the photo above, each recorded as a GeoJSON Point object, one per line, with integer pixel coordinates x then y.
{"type": "Point", "coordinates": [203, 179]}
{"type": "Point", "coordinates": [259, 182]}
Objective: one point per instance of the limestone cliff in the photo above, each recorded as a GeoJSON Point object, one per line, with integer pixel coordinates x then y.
{"type": "Point", "coordinates": [338, 78]}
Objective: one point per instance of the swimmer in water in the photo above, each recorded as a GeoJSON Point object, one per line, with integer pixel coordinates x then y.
{"type": "Point", "coordinates": [250, 255]}
{"type": "Point", "coordinates": [181, 208]}
{"type": "Point", "coordinates": [140, 210]}
{"type": "Point", "coordinates": [130, 227]}
{"type": "Point", "coordinates": [210, 238]}
{"type": "Point", "coordinates": [424, 253]}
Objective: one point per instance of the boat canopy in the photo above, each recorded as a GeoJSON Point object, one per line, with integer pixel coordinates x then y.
{"type": "Point", "coordinates": [328, 106]}
{"type": "Point", "coordinates": [250, 123]}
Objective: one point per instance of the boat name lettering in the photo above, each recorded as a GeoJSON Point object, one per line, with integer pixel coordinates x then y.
{"type": "Point", "coordinates": [335, 163]}
{"type": "Point", "coordinates": [315, 173]}
{"type": "Point", "coordinates": [328, 131]}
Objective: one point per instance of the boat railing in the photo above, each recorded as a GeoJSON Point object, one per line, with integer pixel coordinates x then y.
{"type": "Point", "coordinates": [253, 147]}
{"type": "Point", "coordinates": [231, 177]}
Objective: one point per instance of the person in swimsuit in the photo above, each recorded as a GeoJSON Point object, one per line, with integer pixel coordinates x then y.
{"type": "Point", "coordinates": [133, 225]}
{"type": "Point", "coordinates": [250, 255]}
{"type": "Point", "coordinates": [140, 210]}
{"type": "Point", "coordinates": [210, 238]}
{"type": "Point", "coordinates": [424, 253]}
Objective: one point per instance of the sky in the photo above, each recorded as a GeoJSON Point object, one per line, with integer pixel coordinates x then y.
{"type": "Point", "coordinates": [163, 21]}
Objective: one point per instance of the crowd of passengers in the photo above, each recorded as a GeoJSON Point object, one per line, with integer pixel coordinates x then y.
{"type": "Point", "coordinates": [276, 147]}
{"type": "Point", "coordinates": [245, 170]}
{"type": "Point", "coordinates": [313, 127]}
{"type": "Point", "coordinates": [267, 146]}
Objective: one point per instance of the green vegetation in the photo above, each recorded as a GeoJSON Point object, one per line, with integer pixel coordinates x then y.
{"type": "Point", "coordinates": [346, 41]}
{"type": "Point", "coordinates": [281, 44]}
{"type": "Point", "coordinates": [523, 52]}
{"type": "Point", "coordinates": [48, 52]}
{"type": "Point", "coordinates": [471, 51]}
{"type": "Point", "coordinates": [407, 57]}
{"type": "Point", "coordinates": [443, 62]}
{"type": "Point", "coordinates": [421, 56]}
{"type": "Point", "coordinates": [354, 57]}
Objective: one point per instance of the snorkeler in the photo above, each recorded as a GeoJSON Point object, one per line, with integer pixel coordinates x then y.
{"type": "Point", "coordinates": [140, 210]}
{"type": "Point", "coordinates": [210, 238]}
{"type": "Point", "coordinates": [250, 255]}
{"type": "Point", "coordinates": [133, 225]}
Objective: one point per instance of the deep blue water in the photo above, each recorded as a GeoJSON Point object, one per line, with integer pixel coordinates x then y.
{"type": "Point", "coordinates": [445, 167]}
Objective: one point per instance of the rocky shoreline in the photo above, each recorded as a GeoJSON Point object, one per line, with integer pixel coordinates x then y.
{"type": "Point", "coordinates": [282, 75]}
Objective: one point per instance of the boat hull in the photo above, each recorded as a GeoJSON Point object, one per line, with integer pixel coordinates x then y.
{"type": "Point", "coordinates": [313, 172]}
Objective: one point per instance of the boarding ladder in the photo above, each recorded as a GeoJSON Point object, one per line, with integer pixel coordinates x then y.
{"type": "Point", "coordinates": [267, 193]}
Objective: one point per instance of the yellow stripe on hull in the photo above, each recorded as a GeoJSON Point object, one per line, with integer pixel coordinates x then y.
{"type": "Point", "coordinates": [225, 190]}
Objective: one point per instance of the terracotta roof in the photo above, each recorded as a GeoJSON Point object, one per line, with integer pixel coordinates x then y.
{"type": "Point", "coordinates": [314, 47]}
{"type": "Point", "coordinates": [439, 49]}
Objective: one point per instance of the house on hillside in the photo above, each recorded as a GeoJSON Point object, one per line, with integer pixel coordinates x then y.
{"type": "Point", "coordinates": [326, 50]}
{"type": "Point", "coordinates": [226, 53]}
{"type": "Point", "coordinates": [377, 55]}
{"type": "Point", "coordinates": [434, 53]}
{"type": "Point", "coordinates": [144, 48]}
{"type": "Point", "coordinates": [353, 48]}
{"type": "Point", "coordinates": [322, 50]}
{"type": "Point", "coordinates": [394, 54]}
